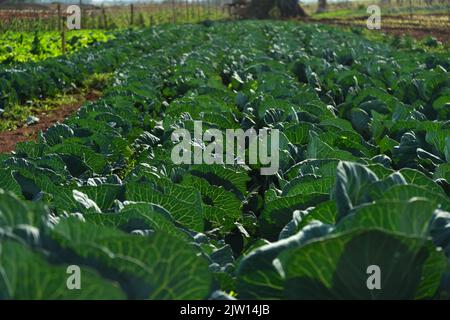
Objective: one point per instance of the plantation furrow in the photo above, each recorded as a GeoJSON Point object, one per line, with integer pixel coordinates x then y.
{"type": "Point", "coordinates": [361, 175]}
{"type": "Point", "coordinates": [38, 80]}
{"type": "Point", "coordinates": [17, 47]}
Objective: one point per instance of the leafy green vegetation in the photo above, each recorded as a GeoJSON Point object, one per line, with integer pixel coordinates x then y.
{"type": "Point", "coordinates": [27, 46]}
{"type": "Point", "coordinates": [429, 44]}
{"type": "Point", "coordinates": [31, 80]}
{"type": "Point", "coordinates": [16, 115]}
{"type": "Point", "coordinates": [363, 176]}
{"type": "Point", "coordinates": [116, 17]}
{"type": "Point", "coordinates": [339, 10]}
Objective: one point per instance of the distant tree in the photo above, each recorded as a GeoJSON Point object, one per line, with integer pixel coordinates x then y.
{"type": "Point", "coordinates": [322, 6]}
{"type": "Point", "coordinates": [16, 1]}
{"type": "Point", "coordinates": [288, 8]}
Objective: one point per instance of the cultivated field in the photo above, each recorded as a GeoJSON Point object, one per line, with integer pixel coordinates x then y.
{"type": "Point", "coordinates": [225, 159]}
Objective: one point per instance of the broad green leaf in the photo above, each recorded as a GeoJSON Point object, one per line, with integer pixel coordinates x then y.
{"type": "Point", "coordinates": [317, 149]}
{"type": "Point", "coordinates": [410, 217]}
{"type": "Point", "coordinates": [156, 267]}
{"type": "Point", "coordinates": [351, 186]}
{"type": "Point", "coordinates": [298, 133]}
{"type": "Point", "coordinates": [376, 189]}
{"type": "Point", "coordinates": [442, 171]}
{"type": "Point", "coordinates": [138, 216]}
{"type": "Point", "coordinates": [439, 230]}
{"type": "Point", "coordinates": [324, 212]}
{"type": "Point", "coordinates": [441, 141]}
{"type": "Point", "coordinates": [256, 273]}
{"type": "Point", "coordinates": [387, 144]}
{"type": "Point", "coordinates": [14, 212]}
{"type": "Point", "coordinates": [418, 178]}
{"type": "Point", "coordinates": [103, 195]}
{"type": "Point", "coordinates": [318, 167]}
{"type": "Point", "coordinates": [337, 267]}
{"type": "Point", "coordinates": [93, 160]}
{"type": "Point", "coordinates": [8, 183]}
{"type": "Point", "coordinates": [221, 207]}
{"type": "Point", "coordinates": [185, 205]}
{"type": "Point", "coordinates": [308, 184]}
{"type": "Point", "coordinates": [28, 276]}
{"type": "Point", "coordinates": [56, 133]}
{"type": "Point", "coordinates": [66, 199]}
{"type": "Point", "coordinates": [406, 192]}
{"type": "Point", "coordinates": [277, 213]}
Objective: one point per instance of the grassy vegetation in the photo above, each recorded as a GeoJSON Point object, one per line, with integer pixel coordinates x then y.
{"type": "Point", "coordinates": [353, 9]}
{"type": "Point", "coordinates": [114, 17]}
{"type": "Point", "coordinates": [340, 13]}
{"type": "Point", "coordinates": [361, 175]}
{"type": "Point", "coordinates": [16, 115]}
{"type": "Point", "coordinates": [36, 46]}
{"type": "Point", "coordinates": [429, 23]}
{"type": "Point", "coordinates": [408, 43]}
{"type": "Point", "coordinates": [23, 46]}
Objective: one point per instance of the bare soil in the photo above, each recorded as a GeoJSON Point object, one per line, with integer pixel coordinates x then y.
{"type": "Point", "coordinates": [9, 139]}
{"type": "Point", "coordinates": [418, 27]}
{"type": "Point", "coordinates": [442, 34]}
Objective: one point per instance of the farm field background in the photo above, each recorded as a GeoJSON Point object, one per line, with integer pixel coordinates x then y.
{"type": "Point", "coordinates": [36, 46]}
{"type": "Point", "coordinates": [363, 174]}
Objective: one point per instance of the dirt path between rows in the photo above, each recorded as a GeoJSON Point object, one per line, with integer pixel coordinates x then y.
{"type": "Point", "coordinates": [9, 139]}
{"type": "Point", "coordinates": [440, 33]}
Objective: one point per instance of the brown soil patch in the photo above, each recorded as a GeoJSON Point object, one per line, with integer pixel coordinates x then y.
{"type": "Point", "coordinates": [439, 33]}
{"type": "Point", "coordinates": [442, 34]}
{"type": "Point", "coordinates": [8, 139]}
{"type": "Point", "coordinates": [417, 26]}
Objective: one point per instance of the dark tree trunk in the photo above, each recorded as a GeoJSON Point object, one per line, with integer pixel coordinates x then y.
{"type": "Point", "coordinates": [322, 6]}
{"type": "Point", "coordinates": [260, 8]}
{"type": "Point", "coordinates": [288, 8]}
